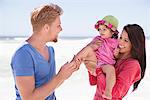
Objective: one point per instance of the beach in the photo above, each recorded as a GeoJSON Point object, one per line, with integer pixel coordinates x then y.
{"type": "Point", "coordinates": [77, 86]}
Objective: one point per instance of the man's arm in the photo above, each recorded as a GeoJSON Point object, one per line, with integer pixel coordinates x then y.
{"type": "Point", "coordinates": [28, 91]}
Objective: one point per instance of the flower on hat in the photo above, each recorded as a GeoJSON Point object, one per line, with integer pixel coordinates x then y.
{"type": "Point", "coordinates": [110, 26]}
{"type": "Point", "coordinates": [101, 22]}
{"type": "Point", "coordinates": [110, 21]}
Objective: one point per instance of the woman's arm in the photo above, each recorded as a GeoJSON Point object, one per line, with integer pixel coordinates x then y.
{"type": "Point", "coordinates": [129, 74]}
{"type": "Point", "coordinates": [28, 91]}
{"type": "Point", "coordinates": [125, 78]}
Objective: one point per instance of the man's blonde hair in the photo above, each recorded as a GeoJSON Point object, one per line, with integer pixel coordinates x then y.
{"type": "Point", "coordinates": [45, 14]}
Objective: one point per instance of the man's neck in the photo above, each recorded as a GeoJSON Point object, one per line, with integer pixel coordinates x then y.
{"type": "Point", "coordinates": [37, 41]}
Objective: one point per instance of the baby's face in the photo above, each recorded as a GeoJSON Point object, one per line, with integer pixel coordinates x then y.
{"type": "Point", "coordinates": [105, 32]}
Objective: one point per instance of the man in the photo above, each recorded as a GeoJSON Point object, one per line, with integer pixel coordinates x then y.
{"type": "Point", "coordinates": [33, 64]}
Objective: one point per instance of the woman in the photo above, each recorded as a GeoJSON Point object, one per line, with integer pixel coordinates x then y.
{"type": "Point", "coordinates": [130, 66]}
{"type": "Point", "coordinates": [33, 64]}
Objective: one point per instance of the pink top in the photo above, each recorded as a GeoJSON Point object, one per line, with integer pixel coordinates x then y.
{"type": "Point", "coordinates": [128, 71]}
{"type": "Point", "coordinates": [105, 52]}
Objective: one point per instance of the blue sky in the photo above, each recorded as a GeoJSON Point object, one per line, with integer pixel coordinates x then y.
{"type": "Point", "coordinates": [79, 15]}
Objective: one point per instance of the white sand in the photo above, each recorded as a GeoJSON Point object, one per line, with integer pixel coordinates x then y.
{"type": "Point", "coordinates": [77, 86]}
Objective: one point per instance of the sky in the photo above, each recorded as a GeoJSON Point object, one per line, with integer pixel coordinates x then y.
{"type": "Point", "coordinates": [79, 15]}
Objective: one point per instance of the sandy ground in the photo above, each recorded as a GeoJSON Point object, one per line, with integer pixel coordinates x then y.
{"type": "Point", "coordinates": [77, 86]}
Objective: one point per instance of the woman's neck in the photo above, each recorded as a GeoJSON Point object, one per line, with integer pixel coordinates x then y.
{"type": "Point", "coordinates": [125, 56]}
{"type": "Point", "coordinates": [37, 42]}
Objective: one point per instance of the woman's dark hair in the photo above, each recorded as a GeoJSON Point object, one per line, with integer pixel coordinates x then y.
{"type": "Point", "coordinates": [137, 38]}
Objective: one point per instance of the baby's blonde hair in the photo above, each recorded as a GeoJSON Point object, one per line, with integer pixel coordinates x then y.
{"type": "Point", "coordinates": [45, 14]}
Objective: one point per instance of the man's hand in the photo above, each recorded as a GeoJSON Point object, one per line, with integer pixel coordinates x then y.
{"type": "Point", "coordinates": [67, 69]}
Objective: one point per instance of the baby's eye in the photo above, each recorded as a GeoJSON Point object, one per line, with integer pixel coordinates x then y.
{"type": "Point", "coordinates": [104, 29]}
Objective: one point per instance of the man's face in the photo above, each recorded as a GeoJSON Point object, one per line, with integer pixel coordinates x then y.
{"type": "Point", "coordinates": [54, 29]}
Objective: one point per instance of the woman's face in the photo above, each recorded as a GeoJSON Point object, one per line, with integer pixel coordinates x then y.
{"type": "Point", "coordinates": [124, 43]}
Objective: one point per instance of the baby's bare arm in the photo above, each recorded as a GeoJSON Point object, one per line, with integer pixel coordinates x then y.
{"type": "Point", "coordinates": [92, 46]}
{"type": "Point", "coordinates": [83, 53]}
{"type": "Point", "coordinates": [95, 44]}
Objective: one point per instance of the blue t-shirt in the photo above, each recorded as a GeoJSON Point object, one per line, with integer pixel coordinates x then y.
{"type": "Point", "coordinates": [27, 61]}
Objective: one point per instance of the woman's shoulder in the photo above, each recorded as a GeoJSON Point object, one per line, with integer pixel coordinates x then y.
{"type": "Point", "coordinates": [131, 64]}
{"type": "Point", "coordinates": [127, 64]}
{"type": "Point", "coordinates": [132, 69]}
{"type": "Point", "coordinates": [132, 61]}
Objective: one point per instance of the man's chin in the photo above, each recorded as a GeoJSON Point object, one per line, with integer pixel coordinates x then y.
{"type": "Point", "coordinates": [55, 40]}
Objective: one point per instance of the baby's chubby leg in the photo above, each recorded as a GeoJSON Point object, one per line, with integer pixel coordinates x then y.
{"type": "Point", "coordinates": [90, 59]}
{"type": "Point", "coordinates": [109, 70]}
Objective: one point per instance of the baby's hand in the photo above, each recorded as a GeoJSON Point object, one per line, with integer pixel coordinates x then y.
{"type": "Point", "coordinates": [77, 60]}
{"type": "Point", "coordinates": [116, 52]}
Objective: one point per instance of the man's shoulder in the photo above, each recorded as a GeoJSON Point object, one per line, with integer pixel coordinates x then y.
{"type": "Point", "coordinates": [23, 48]}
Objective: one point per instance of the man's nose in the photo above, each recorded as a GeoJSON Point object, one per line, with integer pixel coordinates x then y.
{"type": "Point", "coordinates": [60, 28]}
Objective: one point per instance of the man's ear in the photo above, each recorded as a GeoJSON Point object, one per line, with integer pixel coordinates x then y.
{"type": "Point", "coordinates": [46, 27]}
